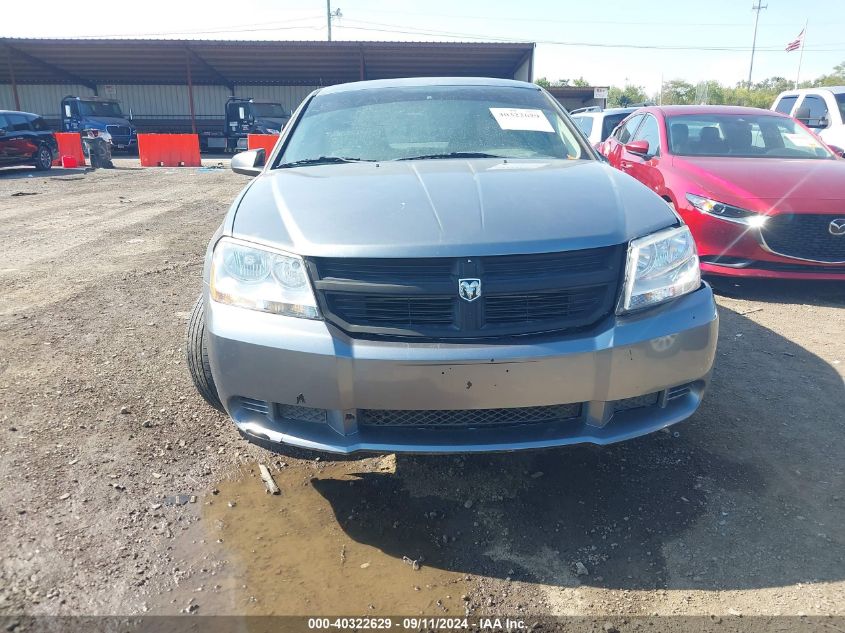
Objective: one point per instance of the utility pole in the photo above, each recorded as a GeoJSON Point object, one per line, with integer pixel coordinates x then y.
{"type": "Point", "coordinates": [755, 7]}
{"type": "Point", "coordinates": [330, 15]}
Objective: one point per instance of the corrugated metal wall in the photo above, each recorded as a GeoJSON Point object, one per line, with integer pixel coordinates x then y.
{"type": "Point", "coordinates": [156, 100]}
{"type": "Point", "coordinates": [44, 99]}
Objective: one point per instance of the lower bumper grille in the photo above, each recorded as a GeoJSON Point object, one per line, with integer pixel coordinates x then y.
{"type": "Point", "coordinates": [468, 418]}
{"type": "Point", "coordinates": [637, 402]}
{"type": "Point", "coordinates": [805, 236]}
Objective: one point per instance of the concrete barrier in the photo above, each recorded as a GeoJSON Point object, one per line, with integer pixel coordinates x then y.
{"type": "Point", "coordinates": [169, 150]}
{"type": "Point", "coordinates": [257, 141]}
{"type": "Point", "coordinates": [70, 144]}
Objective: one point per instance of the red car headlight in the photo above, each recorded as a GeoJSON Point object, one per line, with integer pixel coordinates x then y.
{"type": "Point", "coordinates": [726, 211]}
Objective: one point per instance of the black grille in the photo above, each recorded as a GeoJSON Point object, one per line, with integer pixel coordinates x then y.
{"type": "Point", "coordinates": [118, 130]}
{"type": "Point", "coordinates": [468, 418]}
{"type": "Point", "coordinates": [400, 312]}
{"type": "Point", "coordinates": [542, 306]}
{"type": "Point", "coordinates": [520, 294]}
{"type": "Point", "coordinates": [805, 236]}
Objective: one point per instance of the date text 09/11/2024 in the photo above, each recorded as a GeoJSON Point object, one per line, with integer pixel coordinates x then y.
{"type": "Point", "coordinates": [417, 623]}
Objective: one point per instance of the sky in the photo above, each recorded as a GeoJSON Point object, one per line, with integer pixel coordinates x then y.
{"type": "Point", "coordinates": [608, 42]}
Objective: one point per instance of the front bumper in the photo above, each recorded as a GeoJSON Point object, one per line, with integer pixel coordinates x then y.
{"type": "Point", "coordinates": [735, 250]}
{"type": "Point", "coordinates": [305, 383]}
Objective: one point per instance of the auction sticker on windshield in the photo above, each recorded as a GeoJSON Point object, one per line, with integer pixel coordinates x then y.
{"type": "Point", "coordinates": [522, 119]}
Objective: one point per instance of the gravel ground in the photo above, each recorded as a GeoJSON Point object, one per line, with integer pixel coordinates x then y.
{"type": "Point", "coordinates": [122, 493]}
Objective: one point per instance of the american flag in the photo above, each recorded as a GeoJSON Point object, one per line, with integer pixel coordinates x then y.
{"type": "Point", "coordinates": [795, 44]}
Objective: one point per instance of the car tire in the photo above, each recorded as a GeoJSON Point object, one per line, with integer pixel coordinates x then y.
{"type": "Point", "coordinates": [43, 158]}
{"type": "Point", "coordinates": [196, 352]}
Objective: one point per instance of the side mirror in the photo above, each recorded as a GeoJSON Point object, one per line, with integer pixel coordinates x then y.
{"type": "Point", "coordinates": [249, 163]}
{"type": "Point", "coordinates": [834, 148]}
{"type": "Point", "coordinates": [640, 148]}
{"type": "Point", "coordinates": [823, 122]}
{"type": "Point", "coordinates": [803, 115]}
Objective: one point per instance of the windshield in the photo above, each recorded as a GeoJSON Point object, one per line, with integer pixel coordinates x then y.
{"type": "Point", "coordinates": [745, 136]}
{"type": "Point", "coordinates": [840, 101]}
{"type": "Point", "coordinates": [268, 111]}
{"type": "Point", "coordinates": [100, 108]}
{"type": "Point", "coordinates": [585, 123]}
{"type": "Point", "coordinates": [610, 122]}
{"type": "Point", "coordinates": [434, 122]}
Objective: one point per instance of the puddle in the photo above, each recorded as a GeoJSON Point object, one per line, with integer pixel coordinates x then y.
{"type": "Point", "coordinates": [289, 554]}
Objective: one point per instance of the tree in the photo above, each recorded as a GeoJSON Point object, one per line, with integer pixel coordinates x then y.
{"type": "Point", "coordinates": [545, 83]}
{"type": "Point", "coordinates": [620, 97]}
{"type": "Point", "coordinates": [678, 92]}
{"type": "Point", "coordinates": [581, 82]}
{"type": "Point", "coordinates": [836, 78]}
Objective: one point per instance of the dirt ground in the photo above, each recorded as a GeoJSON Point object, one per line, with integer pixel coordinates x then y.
{"type": "Point", "coordinates": [121, 492]}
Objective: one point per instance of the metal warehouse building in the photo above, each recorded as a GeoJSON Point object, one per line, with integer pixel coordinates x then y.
{"type": "Point", "coordinates": [191, 79]}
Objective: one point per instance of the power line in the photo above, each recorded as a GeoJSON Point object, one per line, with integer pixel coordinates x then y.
{"type": "Point", "coordinates": [242, 28]}
{"type": "Point", "coordinates": [544, 20]}
{"type": "Point", "coordinates": [394, 28]}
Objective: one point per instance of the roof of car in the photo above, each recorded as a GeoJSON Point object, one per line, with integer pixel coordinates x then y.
{"type": "Point", "coordinates": [837, 90]}
{"type": "Point", "coordinates": [410, 82]}
{"type": "Point", "coordinates": [19, 112]}
{"type": "Point", "coordinates": [670, 110]}
{"type": "Point", "coordinates": [605, 111]}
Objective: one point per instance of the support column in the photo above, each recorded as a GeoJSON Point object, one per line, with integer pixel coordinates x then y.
{"type": "Point", "coordinates": [190, 92]}
{"type": "Point", "coordinates": [12, 77]}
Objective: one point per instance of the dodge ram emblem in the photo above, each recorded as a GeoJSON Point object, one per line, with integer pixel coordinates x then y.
{"type": "Point", "coordinates": [837, 226]}
{"type": "Point", "coordinates": [469, 289]}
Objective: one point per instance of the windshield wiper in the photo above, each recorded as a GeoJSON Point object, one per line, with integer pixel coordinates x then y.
{"type": "Point", "coordinates": [452, 155]}
{"type": "Point", "coordinates": [323, 160]}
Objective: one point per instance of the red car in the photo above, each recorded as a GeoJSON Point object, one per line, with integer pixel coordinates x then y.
{"type": "Point", "coordinates": [762, 195]}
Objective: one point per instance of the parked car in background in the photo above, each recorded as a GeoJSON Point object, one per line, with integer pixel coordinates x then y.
{"type": "Point", "coordinates": [820, 109]}
{"type": "Point", "coordinates": [762, 195]}
{"type": "Point", "coordinates": [597, 123]}
{"type": "Point", "coordinates": [26, 139]}
{"type": "Point", "coordinates": [445, 265]}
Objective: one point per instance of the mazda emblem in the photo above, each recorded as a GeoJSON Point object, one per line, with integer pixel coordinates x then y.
{"type": "Point", "coordinates": [469, 289]}
{"type": "Point", "coordinates": [837, 226]}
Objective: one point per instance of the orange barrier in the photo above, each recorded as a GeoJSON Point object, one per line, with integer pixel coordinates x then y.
{"type": "Point", "coordinates": [257, 141]}
{"type": "Point", "coordinates": [169, 150]}
{"type": "Point", "coordinates": [70, 144]}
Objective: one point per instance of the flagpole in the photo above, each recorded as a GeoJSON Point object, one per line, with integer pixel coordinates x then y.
{"type": "Point", "coordinates": [801, 57]}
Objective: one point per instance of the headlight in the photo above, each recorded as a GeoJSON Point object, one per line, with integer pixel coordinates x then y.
{"type": "Point", "coordinates": [103, 134]}
{"type": "Point", "coordinates": [660, 267]}
{"type": "Point", "coordinates": [258, 278]}
{"type": "Point", "coordinates": [726, 211]}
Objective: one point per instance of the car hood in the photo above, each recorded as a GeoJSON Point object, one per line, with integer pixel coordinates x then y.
{"type": "Point", "coordinates": [109, 120]}
{"type": "Point", "coordinates": [447, 208]}
{"type": "Point", "coordinates": [773, 179]}
{"type": "Point", "coordinates": [274, 123]}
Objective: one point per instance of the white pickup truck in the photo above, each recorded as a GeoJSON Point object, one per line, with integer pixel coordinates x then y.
{"type": "Point", "coordinates": [820, 109]}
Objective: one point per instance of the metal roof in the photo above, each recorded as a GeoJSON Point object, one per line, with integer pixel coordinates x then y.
{"type": "Point", "coordinates": [228, 62]}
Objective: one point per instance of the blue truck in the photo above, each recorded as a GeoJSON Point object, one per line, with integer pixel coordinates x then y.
{"type": "Point", "coordinates": [101, 114]}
